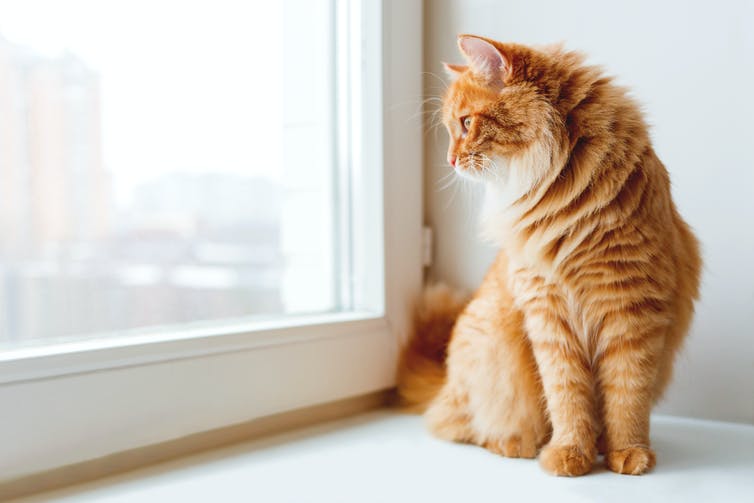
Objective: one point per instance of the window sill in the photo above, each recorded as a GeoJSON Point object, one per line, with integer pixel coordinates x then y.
{"type": "Point", "coordinates": [83, 415]}
{"type": "Point", "coordinates": [394, 456]}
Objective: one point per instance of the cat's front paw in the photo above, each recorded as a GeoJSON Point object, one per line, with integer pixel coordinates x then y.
{"type": "Point", "coordinates": [634, 460]}
{"type": "Point", "coordinates": [566, 460]}
{"type": "Point", "coordinates": [512, 447]}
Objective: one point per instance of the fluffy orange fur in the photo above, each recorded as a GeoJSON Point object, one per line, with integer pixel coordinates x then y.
{"type": "Point", "coordinates": [572, 335]}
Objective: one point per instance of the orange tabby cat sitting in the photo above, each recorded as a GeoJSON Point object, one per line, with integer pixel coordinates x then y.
{"type": "Point", "coordinates": [572, 335]}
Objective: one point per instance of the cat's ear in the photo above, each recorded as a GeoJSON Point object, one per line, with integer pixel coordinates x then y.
{"type": "Point", "coordinates": [454, 71]}
{"type": "Point", "coordinates": [486, 60]}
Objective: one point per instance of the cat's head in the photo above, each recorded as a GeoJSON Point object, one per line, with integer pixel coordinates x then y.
{"type": "Point", "coordinates": [499, 114]}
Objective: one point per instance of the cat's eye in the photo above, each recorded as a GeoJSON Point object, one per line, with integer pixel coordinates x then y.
{"type": "Point", "coordinates": [466, 122]}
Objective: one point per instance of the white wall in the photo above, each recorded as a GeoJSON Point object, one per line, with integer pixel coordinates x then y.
{"type": "Point", "coordinates": [692, 66]}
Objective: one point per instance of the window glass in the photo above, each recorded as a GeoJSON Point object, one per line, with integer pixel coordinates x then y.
{"type": "Point", "coordinates": [164, 163]}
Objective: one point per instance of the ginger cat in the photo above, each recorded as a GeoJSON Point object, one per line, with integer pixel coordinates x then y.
{"type": "Point", "coordinates": [571, 337]}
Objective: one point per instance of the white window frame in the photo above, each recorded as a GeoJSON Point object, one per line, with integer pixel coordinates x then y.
{"type": "Point", "coordinates": [80, 401]}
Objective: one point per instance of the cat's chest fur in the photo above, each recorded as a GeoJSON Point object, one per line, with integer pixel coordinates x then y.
{"type": "Point", "coordinates": [530, 274]}
{"type": "Point", "coordinates": [529, 286]}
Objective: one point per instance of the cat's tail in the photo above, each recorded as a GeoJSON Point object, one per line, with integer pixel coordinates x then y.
{"type": "Point", "coordinates": [421, 370]}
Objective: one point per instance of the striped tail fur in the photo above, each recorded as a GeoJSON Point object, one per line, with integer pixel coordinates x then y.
{"type": "Point", "coordinates": [421, 369]}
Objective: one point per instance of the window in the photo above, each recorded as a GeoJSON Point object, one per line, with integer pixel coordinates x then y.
{"type": "Point", "coordinates": [210, 212]}
{"type": "Point", "coordinates": [153, 180]}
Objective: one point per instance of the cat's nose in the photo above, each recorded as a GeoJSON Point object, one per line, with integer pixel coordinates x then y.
{"type": "Point", "coordinates": [452, 160]}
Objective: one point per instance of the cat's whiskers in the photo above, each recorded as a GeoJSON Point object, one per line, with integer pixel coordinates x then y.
{"type": "Point", "coordinates": [493, 169]}
{"type": "Point", "coordinates": [422, 108]}
{"type": "Point", "coordinates": [446, 181]}
{"type": "Point", "coordinates": [434, 121]}
{"type": "Point", "coordinates": [444, 83]}
{"type": "Point", "coordinates": [456, 181]}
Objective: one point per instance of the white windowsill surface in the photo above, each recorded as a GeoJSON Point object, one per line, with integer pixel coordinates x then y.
{"type": "Point", "coordinates": [388, 457]}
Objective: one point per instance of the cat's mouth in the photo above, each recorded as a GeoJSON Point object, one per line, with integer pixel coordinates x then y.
{"type": "Point", "coordinates": [468, 172]}
{"type": "Point", "coordinates": [480, 168]}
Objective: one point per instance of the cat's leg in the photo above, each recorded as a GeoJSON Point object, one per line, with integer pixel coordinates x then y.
{"type": "Point", "coordinates": [490, 357]}
{"type": "Point", "coordinates": [627, 357]}
{"type": "Point", "coordinates": [513, 446]}
{"type": "Point", "coordinates": [568, 386]}
{"type": "Point", "coordinates": [448, 416]}
{"type": "Point", "coordinates": [515, 427]}
{"type": "Point", "coordinates": [505, 393]}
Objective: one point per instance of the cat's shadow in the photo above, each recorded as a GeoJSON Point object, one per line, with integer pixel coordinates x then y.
{"type": "Point", "coordinates": [683, 445]}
